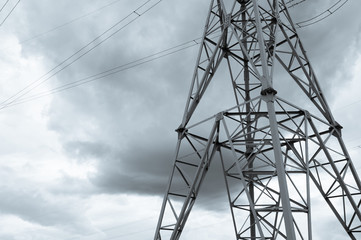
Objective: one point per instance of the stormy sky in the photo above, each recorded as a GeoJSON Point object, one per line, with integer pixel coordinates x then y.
{"type": "Point", "coordinates": [91, 93]}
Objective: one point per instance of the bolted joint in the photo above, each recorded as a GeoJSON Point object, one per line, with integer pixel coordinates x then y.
{"type": "Point", "coordinates": [219, 116]}
{"type": "Point", "coordinates": [268, 91]}
{"type": "Point", "coordinates": [226, 51]}
{"type": "Point", "coordinates": [277, 19]}
{"type": "Point", "coordinates": [181, 131]}
{"type": "Point", "coordinates": [337, 127]}
{"type": "Point", "coordinates": [196, 99]}
{"type": "Point", "coordinates": [228, 20]}
{"type": "Point", "coordinates": [290, 144]}
{"type": "Point", "coordinates": [307, 115]}
{"type": "Point", "coordinates": [243, 1]}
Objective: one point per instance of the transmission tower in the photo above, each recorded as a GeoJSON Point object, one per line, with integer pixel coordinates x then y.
{"type": "Point", "coordinates": [273, 148]}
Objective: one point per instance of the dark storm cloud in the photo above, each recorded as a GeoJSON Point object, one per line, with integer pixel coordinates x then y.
{"type": "Point", "coordinates": [34, 205]}
{"type": "Point", "coordinates": [35, 209]}
{"type": "Point", "coordinates": [143, 169]}
{"type": "Point", "coordinates": [126, 122]}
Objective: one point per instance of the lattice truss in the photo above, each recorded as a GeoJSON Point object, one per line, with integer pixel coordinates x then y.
{"type": "Point", "coordinates": [272, 148]}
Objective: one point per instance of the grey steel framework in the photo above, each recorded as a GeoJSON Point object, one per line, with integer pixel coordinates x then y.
{"type": "Point", "coordinates": [271, 149]}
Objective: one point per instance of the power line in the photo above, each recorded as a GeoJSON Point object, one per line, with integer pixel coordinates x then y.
{"type": "Point", "coordinates": [9, 12]}
{"type": "Point", "coordinates": [342, 107]}
{"type": "Point", "coordinates": [295, 4]}
{"type": "Point", "coordinates": [290, 3]}
{"type": "Point", "coordinates": [121, 67]}
{"type": "Point", "coordinates": [109, 72]}
{"type": "Point", "coordinates": [69, 22]}
{"type": "Point", "coordinates": [4, 5]}
{"type": "Point", "coordinates": [112, 71]}
{"type": "Point", "coordinates": [319, 17]}
{"type": "Point", "coordinates": [328, 12]}
{"type": "Point", "coordinates": [8, 102]}
{"type": "Point", "coordinates": [92, 12]}
{"type": "Point", "coordinates": [111, 229]}
{"type": "Point", "coordinates": [80, 53]}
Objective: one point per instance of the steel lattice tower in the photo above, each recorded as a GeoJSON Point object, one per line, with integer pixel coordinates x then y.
{"type": "Point", "coordinates": [272, 148]}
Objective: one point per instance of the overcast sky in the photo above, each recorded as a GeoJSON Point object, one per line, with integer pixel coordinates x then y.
{"type": "Point", "coordinates": [92, 161]}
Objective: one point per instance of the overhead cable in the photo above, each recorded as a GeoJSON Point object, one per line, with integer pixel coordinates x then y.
{"type": "Point", "coordinates": [68, 22]}
{"type": "Point", "coordinates": [137, 13]}
{"type": "Point", "coordinates": [17, 98]}
{"type": "Point", "coordinates": [7, 16]}
{"type": "Point", "coordinates": [295, 4]}
{"type": "Point", "coordinates": [108, 72]}
{"type": "Point", "coordinates": [4, 5]}
{"type": "Point", "coordinates": [328, 12]}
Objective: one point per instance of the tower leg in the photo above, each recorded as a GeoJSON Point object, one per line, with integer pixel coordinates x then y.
{"type": "Point", "coordinates": [182, 187]}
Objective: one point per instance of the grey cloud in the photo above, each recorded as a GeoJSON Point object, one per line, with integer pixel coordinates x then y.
{"type": "Point", "coordinates": [37, 204]}
{"type": "Point", "coordinates": [7, 237]}
{"type": "Point", "coordinates": [143, 169]}
{"type": "Point", "coordinates": [68, 186]}
{"type": "Point", "coordinates": [126, 122]}
{"type": "Point", "coordinates": [329, 44]}
{"type": "Point", "coordinates": [84, 150]}
{"type": "Point", "coordinates": [33, 206]}
{"type": "Point", "coordinates": [121, 113]}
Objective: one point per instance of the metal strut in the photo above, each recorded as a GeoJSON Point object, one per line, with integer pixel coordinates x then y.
{"type": "Point", "coordinates": [272, 147]}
